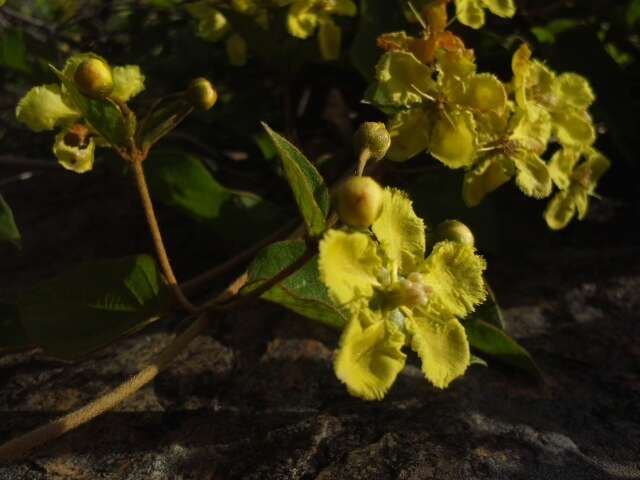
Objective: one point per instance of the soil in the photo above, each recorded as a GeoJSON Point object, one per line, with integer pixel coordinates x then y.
{"type": "Point", "coordinates": [256, 397]}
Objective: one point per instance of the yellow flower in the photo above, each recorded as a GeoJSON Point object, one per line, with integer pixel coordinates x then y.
{"type": "Point", "coordinates": [397, 297]}
{"type": "Point", "coordinates": [565, 97]}
{"type": "Point", "coordinates": [577, 181]}
{"type": "Point", "coordinates": [46, 107]}
{"type": "Point", "coordinates": [305, 16]}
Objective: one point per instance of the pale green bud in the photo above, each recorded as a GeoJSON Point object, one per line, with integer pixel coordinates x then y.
{"type": "Point", "coordinates": [455, 231]}
{"type": "Point", "coordinates": [93, 78]}
{"type": "Point", "coordinates": [358, 201]}
{"type": "Point", "coordinates": [374, 137]}
{"type": "Point", "coordinates": [201, 94]}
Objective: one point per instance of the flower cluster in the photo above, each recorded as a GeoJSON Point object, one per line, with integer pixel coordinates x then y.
{"type": "Point", "coordinates": [57, 106]}
{"type": "Point", "coordinates": [396, 298]}
{"type": "Point", "coordinates": [438, 103]}
{"type": "Point", "coordinates": [303, 19]}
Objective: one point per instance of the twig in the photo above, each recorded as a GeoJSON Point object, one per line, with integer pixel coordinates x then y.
{"type": "Point", "coordinates": [154, 228]}
{"type": "Point", "coordinates": [19, 447]}
{"type": "Point", "coordinates": [264, 286]}
{"type": "Point", "coordinates": [192, 285]}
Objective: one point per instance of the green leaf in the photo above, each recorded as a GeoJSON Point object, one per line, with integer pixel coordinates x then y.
{"type": "Point", "coordinates": [8, 229]}
{"type": "Point", "coordinates": [182, 181]}
{"type": "Point", "coordinates": [103, 116]}
{"type": "Point", "coordinates": [93, 305]}
{"type": "Point", "coordinates": [302, 292]}
{"type": "Point", "coordinates": [489, 310]}
{"type": "Point", "coordinates": [376, 18]}
{"type": "Point", "coordinates": [13, 51]}
{"type": "Point", "coordinates": [309, 190]}
{"type": "Point", "coordinates": [496, 344]}
{"type": "Point", "coordinates": [12, 334]}
{"type": "Point", "coordinates": [164, 117]}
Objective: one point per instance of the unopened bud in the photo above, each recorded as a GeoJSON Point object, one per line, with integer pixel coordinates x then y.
{"type": "Point", "coordinates": [374, 137]}
{"type": "Point", "coordinates": [455, 231]}
{"type": "Point", "coordinates": [358, 201]}
{"type": "Point", "coordinates": [93, 78]}
{"type": "Point", "coordinates": [201, 94]}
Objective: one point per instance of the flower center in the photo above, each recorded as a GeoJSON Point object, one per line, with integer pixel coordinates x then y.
{"type": "Point", "coordinates": [410, 291]}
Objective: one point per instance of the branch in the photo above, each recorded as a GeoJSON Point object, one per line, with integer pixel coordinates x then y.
{"type": "Point", "coordinates": [18, 447]}
{"type": "Point", "coordinates": [156, 236]}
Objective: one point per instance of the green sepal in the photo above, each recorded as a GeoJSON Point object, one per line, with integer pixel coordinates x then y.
{"type": "Point", "coordinates": [102, 116]}
{"type": "Point", "coordinates": [165, 115]}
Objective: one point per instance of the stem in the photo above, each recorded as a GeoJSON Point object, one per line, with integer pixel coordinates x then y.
{"type": "Point", "coordinates": [193, 284]}
{"type": "Point", "coordinates": [363, 158]}
{"type": "Point", "coordinates": [19, 447]}
{"type": "Point", "coordinates": [264, 286]}
{"type": "Point", "coordinates": [154, 228]}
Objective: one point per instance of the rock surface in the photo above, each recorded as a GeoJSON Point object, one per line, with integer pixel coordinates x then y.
{"type": "Point", "coordinates": [256, 397]}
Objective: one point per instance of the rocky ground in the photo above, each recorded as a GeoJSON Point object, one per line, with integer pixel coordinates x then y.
{"type": "Point", "coordinates": [256, 397]}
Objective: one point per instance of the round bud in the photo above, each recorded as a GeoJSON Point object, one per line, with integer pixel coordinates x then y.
{"type": "Point", "coordinates": [373, 136]}
{"type": "Point", "coordinates": [455, 231]}
{"type": "Point", "coordinates": [358, 201]}
{"type": "Point", "coordinates": [201, 94]}
{"type": "Point", "coordinates": [93, 78]}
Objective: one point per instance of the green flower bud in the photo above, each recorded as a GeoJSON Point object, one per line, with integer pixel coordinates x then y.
{"type": "Point", "coordinates": [374, 137]}
{"type": "Point", "coordinates": [201, 94]}
{"type": "Point", "coordinates": [358, 201]}
{"type": "Point", "coordinates": [93, 78]}
{"type": "Point", "coordinates": [455, 231]}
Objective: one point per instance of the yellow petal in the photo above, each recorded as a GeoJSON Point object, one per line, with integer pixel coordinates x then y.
{"type": "Point", "coordinates": [74, 158]}
{"type": "Point", "coordinates": [483, 179]}
{"type": "Point", "coordinates": [302, 19]}
{"type": "Point", "coordinates": [409, 131]}
{"type": "Point", "coordinates": [400, 231]}
{"type": "Point", "coordinates": [532, 175]}
{"type": "Point", "coordinates": [342, 7]}
{"type": "Point", "coordinates": [561, 166]}
{"type": "Point", "coordinates": [441, 343]}
{"type": "Point", "coordinates": [561, 209]}
{"type": "Point", "coordinates": [598, 165]}
{"type": "Point", "coordinates": [453, 139]}
{"type": "Point", "coordinates": [128, 81]}
{"type": "Point", "coordinates": [485, 92]}
{"type": "Point", "coordinates": [453, 271]}
{"type": "Point", "coordinates": [401, 75]}
{"type": "Point", "coordinates": [531, 128]}
{"type": "Point", "coordinates": [370, 356]}
{"type": "Point", "coordinates": [502, 8]}
{"type": "Point", "coordinates": [574, 89]}
{"type": "Point", "coordinates": [43, 108]}
{"type": "Point", "coordinates": [349, 266]}
{"type": "Point", "coordinates": [581, 199]}
{"type": "Point", "coordinates": [573, 128]}
{"type": "Point", "coordinates": [470, 13]}
{"type": "Point", "coordinates": [521, 65]}
{"type": "Point", "coordinates": [329, 40]}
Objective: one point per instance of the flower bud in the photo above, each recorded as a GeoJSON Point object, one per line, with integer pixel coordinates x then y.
{"type": "Point", "coordinates": [455, 231]}
{"type": "Point", "coordinates": [93, 78]}
{"type": "Point", "coordinates": [358, 201]}
{"type": "Point", "coordinates": [201, 94]}
{"type": "Point", "coordinates": [373, 136]}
